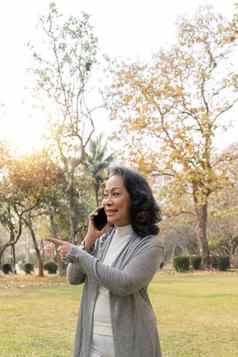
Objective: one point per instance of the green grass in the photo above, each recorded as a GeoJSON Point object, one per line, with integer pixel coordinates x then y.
{"type": "Point", "coordinates": [197, 315]}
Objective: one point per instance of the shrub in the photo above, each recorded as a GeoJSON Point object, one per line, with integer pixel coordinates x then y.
{"type": "Point", "coordinates": [181, 263]}
{"type": "Point", "coordinates": [28, 268]}
{"type": "Point", "coordinates": [51, 267]}
{"type": "Point", "coordinates": [223, 263]}
{"type": "Point", "coordinates": [214, 261]}
{"type": "Point", "coordinates": [7, 268]}
{"type": "Point", "coordinates": [196, 262]}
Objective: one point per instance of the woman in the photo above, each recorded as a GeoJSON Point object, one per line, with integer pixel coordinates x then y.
{"type": "Point", "coordinates": [116, 317]}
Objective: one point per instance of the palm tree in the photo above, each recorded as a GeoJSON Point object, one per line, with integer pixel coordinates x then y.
{"type": "Point", "coordinates": [96, 163]}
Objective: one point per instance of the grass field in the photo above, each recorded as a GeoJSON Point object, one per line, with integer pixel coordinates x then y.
{"type": "Point", "coordinates": [197, 315]}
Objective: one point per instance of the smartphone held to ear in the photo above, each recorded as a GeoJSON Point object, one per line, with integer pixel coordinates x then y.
{"type": "Point", "coordinates": [100, 220]}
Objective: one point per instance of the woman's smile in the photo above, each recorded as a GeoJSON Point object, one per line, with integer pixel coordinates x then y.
{"type": "Point", "coordinates": [111, 212]}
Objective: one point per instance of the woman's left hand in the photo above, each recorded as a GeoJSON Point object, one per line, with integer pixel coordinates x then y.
{"type": "Point", "coordinates": [63, 247]}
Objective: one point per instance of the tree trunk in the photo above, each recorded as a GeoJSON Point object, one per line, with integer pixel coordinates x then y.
{"type": "Point", "coordinates": [38, 255]}
{"type": "Point", "coordinates": [96, 195]}
{"type": "Point", "coordinates": [2, 250]}
{"type": "Point", "coordinates": [54, 230]}
{"type": "Point", "coordinates": [201, 214]}
{"type": "Point", "coordinates": [13, 251]}
{"type": "Point", "coordinates": [10, 244]}
{"type": "Point", "coordinates": [37, 250]}
{"type": "Point", "coordinates": [97, 186]}
{"type": "Point", "coordinates": [15, 234]}
{"type": "Point", "coordinates": [71, 212]}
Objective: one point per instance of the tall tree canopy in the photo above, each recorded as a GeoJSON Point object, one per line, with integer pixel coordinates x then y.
{"type": "Point", "coordinates": [171, 110]}
{"type": "Point", "coordinates": [62, 69]}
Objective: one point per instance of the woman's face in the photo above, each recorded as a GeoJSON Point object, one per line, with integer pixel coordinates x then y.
{"type": "Point", "coordinates": [116, 201]}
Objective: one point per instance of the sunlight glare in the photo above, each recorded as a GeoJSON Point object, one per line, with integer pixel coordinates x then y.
{"type": "Point", "coordinates": [24, 135]}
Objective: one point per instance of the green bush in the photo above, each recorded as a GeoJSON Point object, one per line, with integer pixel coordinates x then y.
{"type": "Point", "coordinates": [51, 267]}
{"type": "Point", "coordinates": [28, 268]}
{"type": "Point", "coordinates": [223, 263]}
{"type": "Point", "coordinates": [181, 263]}
{"type": "Point", "coordinates": [214, 261]}
{"type": "Point", "coordinates": [196, 262]}
{"type": "Point", "coordinates": [7, 268]}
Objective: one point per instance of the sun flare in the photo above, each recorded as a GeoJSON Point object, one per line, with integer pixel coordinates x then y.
{"type": "Point", "coordinates": [24, 136]}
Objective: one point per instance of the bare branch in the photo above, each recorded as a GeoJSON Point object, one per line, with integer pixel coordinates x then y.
{"type": "Point", "coordinates": [226, 109]}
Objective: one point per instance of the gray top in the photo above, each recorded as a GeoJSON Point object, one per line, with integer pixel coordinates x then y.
{"type": "Point", "coordinates": [133, 320]}
{"type": "Point", "coordinates": [102, 324]}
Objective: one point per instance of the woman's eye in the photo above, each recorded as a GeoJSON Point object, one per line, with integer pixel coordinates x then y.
{"type": "Point", "coordinates": [116, 194]}
{"type": "Point", "coordinates": [105, 195]}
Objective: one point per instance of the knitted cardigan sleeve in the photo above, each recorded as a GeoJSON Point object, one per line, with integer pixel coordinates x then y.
{"type": "Point", "coordinates": [137, 273]}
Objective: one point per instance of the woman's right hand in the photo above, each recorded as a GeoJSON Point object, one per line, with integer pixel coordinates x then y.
{"type": "Point", "coordinates": [92, 233]}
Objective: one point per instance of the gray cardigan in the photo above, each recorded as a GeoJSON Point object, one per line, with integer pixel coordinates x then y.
{"type": "Point", "coordinates": [133, 320]}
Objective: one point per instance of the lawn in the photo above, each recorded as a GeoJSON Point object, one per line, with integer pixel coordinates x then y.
{"type": "Point", "coordinates": [197, 315]}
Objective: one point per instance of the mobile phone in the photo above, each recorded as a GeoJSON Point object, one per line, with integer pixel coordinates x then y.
{"type": "Point", "coordinates": [100, 220]}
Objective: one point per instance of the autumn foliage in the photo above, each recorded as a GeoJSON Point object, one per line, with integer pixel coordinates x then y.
{"type": "Point", "coordinates": [171, 109]}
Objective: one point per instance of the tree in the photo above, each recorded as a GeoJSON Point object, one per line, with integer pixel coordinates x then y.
{"type": "Point", "coordinates": [11, 220]}
{"type": "Point", "coordinates": [29, 184]}
{"type": "Point", "coordinates": [10, 215]}
{"type": "Point", "coordinates": [62, 74]}
{"type": "Point", "coordinates": [96, 162]}
{"type": "Point", "coordinates": [223, 214]}
{"type": "Point", "coordinates": [172, 108]}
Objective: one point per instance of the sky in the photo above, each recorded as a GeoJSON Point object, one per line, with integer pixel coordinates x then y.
{"type": "Point", "coordinates": [125, 28]}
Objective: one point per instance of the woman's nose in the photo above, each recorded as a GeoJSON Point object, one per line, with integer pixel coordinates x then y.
{"type": "Point", "coordinates": [107, 200]}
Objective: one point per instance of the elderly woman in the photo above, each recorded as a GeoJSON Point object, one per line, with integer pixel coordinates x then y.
{"type": "Point", "coordinates": [116, 317]}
